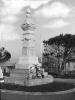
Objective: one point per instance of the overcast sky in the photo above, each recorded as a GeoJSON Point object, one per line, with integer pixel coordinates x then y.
{"type": "Point", "coordinates": [51, 17]}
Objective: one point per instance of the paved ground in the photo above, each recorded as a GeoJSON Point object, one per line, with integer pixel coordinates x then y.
{"type": "Point", "coordinates": [13, 95]}
{"type": "Point", "coordinates": [9, 95]}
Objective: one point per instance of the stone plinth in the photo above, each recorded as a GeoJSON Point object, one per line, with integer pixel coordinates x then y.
{"type": "Point", "coordinates": [18, 76]}
{"type": "Point", "coordinates": [26, 62]}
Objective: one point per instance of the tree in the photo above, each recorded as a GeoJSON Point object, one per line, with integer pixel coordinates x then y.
{"type": "Point", "coordinates": [66, 41]}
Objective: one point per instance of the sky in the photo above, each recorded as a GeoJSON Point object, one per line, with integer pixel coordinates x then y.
{"type": "Point", "coordinates": [51, 17]}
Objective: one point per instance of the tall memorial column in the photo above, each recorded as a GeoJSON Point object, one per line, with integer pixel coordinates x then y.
{"type": "Point", "coordinates": [29, 57]}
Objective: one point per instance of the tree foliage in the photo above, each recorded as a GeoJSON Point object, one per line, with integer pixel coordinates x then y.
{"type": "Point", "coordinates": [67, 41]}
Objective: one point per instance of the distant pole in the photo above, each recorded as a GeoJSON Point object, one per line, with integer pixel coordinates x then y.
{"type": "Point", "coordinates": [2, 40]}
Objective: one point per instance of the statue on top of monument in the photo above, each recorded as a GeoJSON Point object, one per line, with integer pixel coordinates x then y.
{"type": "Point", "coordinates": [28, 25]}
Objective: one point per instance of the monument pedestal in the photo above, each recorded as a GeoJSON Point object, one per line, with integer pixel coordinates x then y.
{"type": "Point", "coordinates": [26, 62]}
{"type": "Point", "coordinates": [24, 71]}
{"type": "Point", "coordinates": [22, 77]}
{"type": "Point", "coordinates": [18, 76]}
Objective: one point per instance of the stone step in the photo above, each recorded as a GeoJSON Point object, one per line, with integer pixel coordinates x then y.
{"type": "Point", "coordinates": [19, 75]}
{"type": "Point", "coordinates": [23, 71]}
{"type": "Point", "coordinates": [30, 82]}
{"type": "Point", "coordinates": [16, 80]}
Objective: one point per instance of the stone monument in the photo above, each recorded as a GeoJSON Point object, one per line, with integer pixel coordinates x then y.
{"type": "Point", "coordinates": [29, 58]}
{"type": "Point", "coordinates": [28, 70]}
{"type": "Point", "coordinates": [25, 68]}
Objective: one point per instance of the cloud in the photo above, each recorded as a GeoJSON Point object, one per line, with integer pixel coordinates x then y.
{"type": "Point", "coordinates": [9, 19]}
{"type": "Point", "coordinates": [7, 32]}
{"type": "Point", "coordinates": [54, 10]}
{"type": "Point", "coordinates": [59, 23]}
{"type": "Point", "coordinates": [37, 3]}
{"type": "Point", "coordinates": [9, 10]}
{"type": "Point", "coordinates": [15, 6]}
{"type": "Point", "coordinates": [9, 36]}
